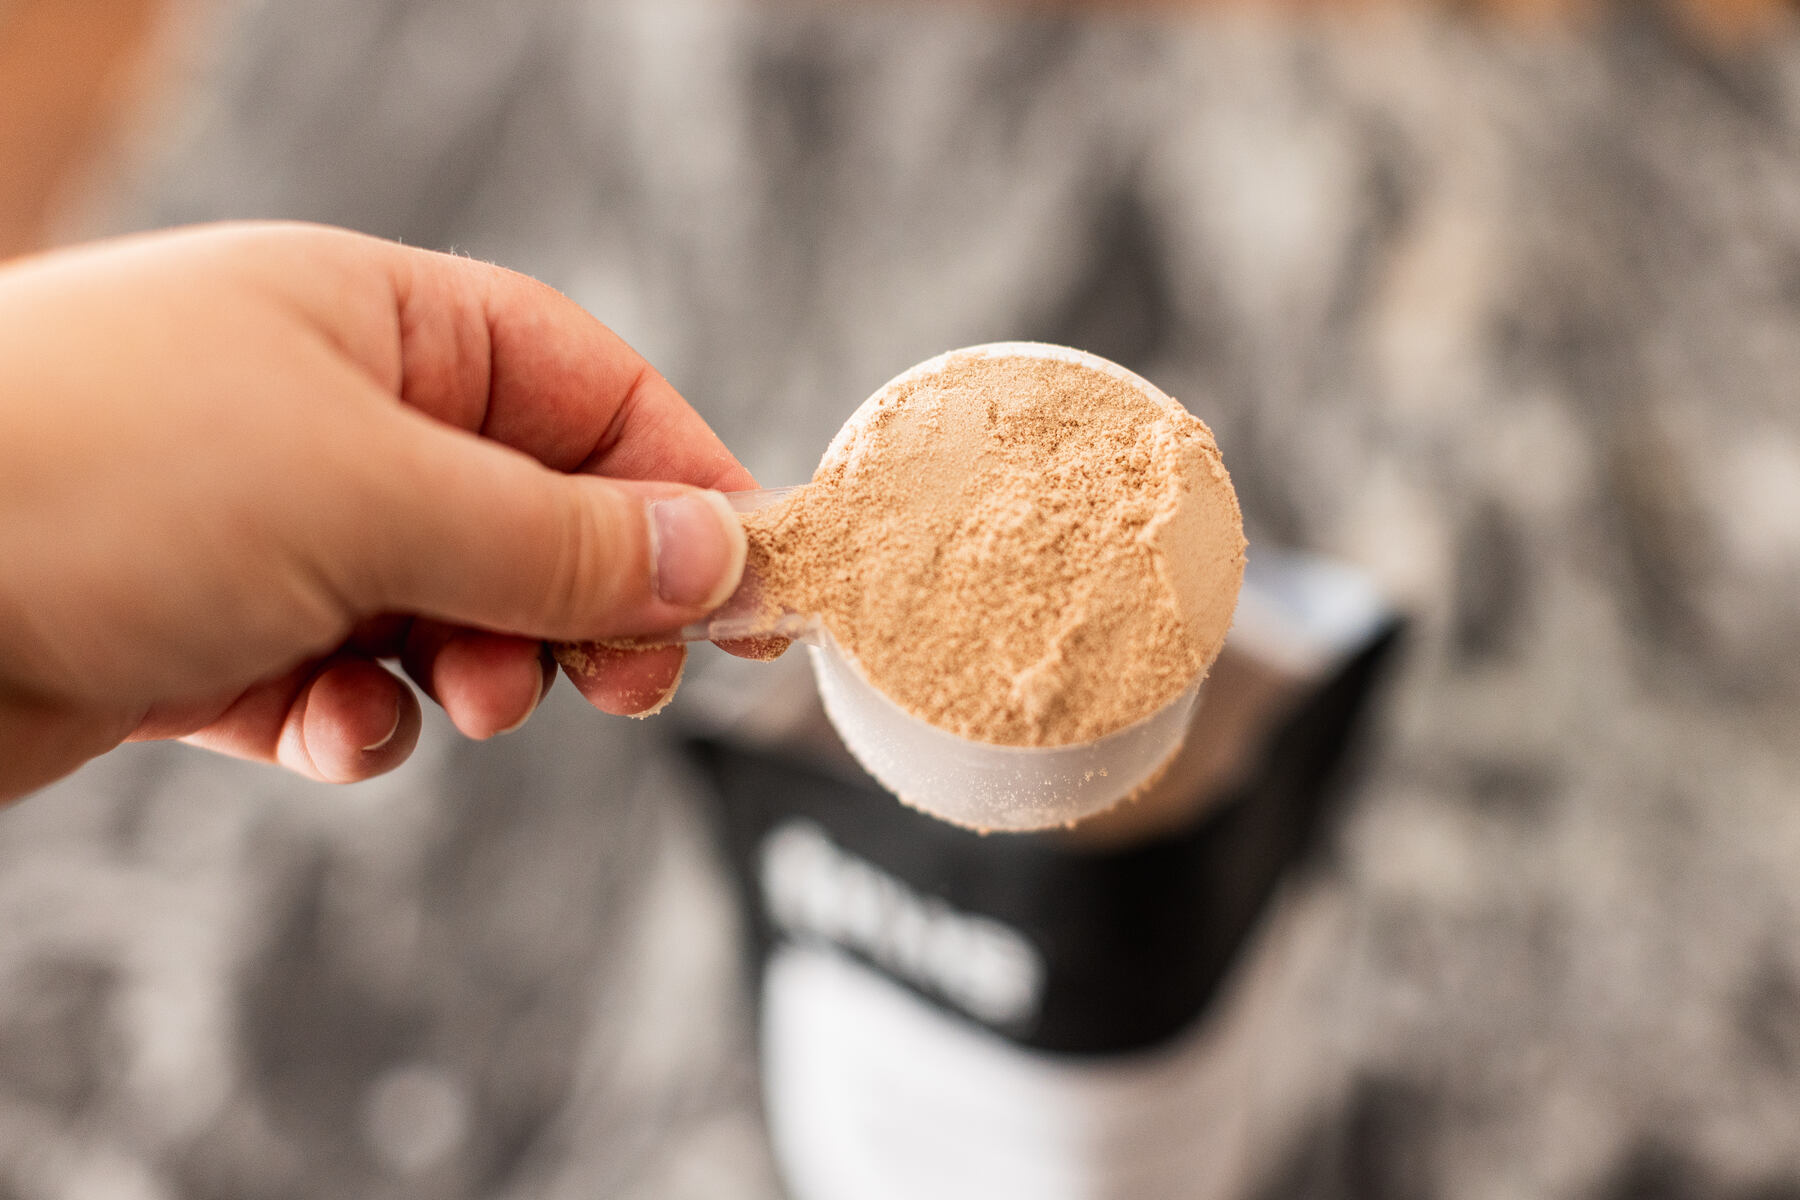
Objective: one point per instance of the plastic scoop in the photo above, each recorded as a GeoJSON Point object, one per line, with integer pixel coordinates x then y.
{"type": "Point", "coordinates": [975, 784]}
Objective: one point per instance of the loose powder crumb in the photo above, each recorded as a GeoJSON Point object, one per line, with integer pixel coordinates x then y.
{"type": "Point", "coordinates": [1023, 551]}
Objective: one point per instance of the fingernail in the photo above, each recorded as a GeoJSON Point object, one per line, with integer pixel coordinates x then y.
{"type": "Point", "coordinates": [543, 687]}
{"type": "Point", "coordinates": [697, 549]}
{"type": "Point", "coordinates": [658, 702]}
{"type": "Point", "coordinates": [387, 737]}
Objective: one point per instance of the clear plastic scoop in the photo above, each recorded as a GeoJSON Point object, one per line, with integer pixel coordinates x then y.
{"type": "Point", "coordinates": [974, 784]}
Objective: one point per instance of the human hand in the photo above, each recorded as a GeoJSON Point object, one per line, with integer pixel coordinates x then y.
{"type": "Point", "coordinates": [239, 464]}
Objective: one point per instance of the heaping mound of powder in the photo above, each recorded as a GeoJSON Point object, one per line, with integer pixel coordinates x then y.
{"type": "Point", "coordinates": [1022, 551]}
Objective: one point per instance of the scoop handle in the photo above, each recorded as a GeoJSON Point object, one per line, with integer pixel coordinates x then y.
{"type": "Point", "coordinates": [755, 499]}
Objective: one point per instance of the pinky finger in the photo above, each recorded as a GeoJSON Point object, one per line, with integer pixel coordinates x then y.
{"type": "Point", "coordinates": [338, 720]}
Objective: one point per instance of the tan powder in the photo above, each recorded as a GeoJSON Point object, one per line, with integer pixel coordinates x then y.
{"type": "Point", "coordinates": [1020, 550]}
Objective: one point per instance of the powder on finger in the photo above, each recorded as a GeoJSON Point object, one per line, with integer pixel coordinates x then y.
{"type": "Point", "coordinates": [1023, 551]}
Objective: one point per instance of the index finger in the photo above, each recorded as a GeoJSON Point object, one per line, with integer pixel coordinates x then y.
{"type": "Point", "coordinates": [512, 359]}
{"type": "Point", "coordinates": [501, 355]}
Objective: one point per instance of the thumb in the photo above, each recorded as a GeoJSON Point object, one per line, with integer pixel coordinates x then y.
{"type": "Point", "coordinates": [472, 532]}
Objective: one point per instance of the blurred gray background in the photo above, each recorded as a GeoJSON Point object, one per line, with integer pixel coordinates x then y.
{"type": "Point", "coordinates": [1508, 315]}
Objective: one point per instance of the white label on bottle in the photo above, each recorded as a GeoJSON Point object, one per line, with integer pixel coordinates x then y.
{"type": "Point", "coordinates": [874, 1093]}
